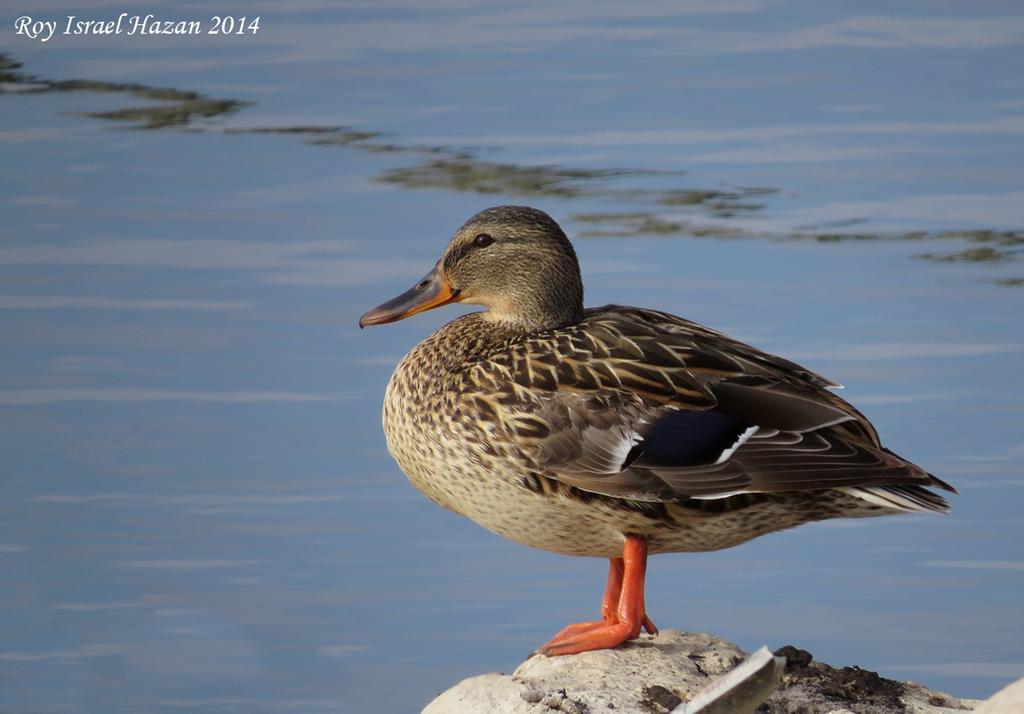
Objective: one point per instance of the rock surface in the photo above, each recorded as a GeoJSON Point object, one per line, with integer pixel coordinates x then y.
{"type": "Point", "coordinates": [1008, 700]}
{"type": "Point", "coordinates": [653, 675]}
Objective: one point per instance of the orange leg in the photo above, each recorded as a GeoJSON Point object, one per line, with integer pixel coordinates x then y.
{"type": "Point", "coordinates": [613, 590]}
{"type": "Point", "coordinates": [622, 609]}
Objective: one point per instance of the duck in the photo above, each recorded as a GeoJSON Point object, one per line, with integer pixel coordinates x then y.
{"type": "Point", "coordinates": [615, 432]}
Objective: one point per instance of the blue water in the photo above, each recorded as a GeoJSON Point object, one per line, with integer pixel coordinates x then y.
{"type": "Point", "coordinates": [199, 512]}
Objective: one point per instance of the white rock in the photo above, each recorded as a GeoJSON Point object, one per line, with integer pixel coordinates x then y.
{"type": "Point", "coordinates": [493, 692]}
{"type": "Point", "coordinates": [1008, 700]}
{"type": "Point", "coordinates": [652, 675]}
{"type": "Point", "coordinates": [647, 675]}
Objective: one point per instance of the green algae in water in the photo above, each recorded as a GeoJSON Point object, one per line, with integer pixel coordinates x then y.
{"type": "Point", "coordinates": [344, 137]}
{"type": "Point", "coordinates": [626, 225]}
{"type": "Point", "coordinates": [313, 129]}
{"type": "Point", "coordinates": [315, 134]}
{"type": "Point", "coordinates": [970, 255]}
{"type": "Point", "coordinates": [723, 204]}
{"type": "Point", "coordinates": [177, 114]}
{"type": "Point", "coordinates": [465, 173]}
{"type": "Point", "coordinates": [997, 246]}
{"type": "Point", "coordinates": [459, 169]}
{"type": "Point", "coordinates": [180, 108]}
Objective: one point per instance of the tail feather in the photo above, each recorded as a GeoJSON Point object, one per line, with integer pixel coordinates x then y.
{"type": "Point", "coordinates": [908, 498]}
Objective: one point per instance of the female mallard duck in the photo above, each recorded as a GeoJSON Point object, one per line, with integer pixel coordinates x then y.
{"type": "Point", "coordinates": [615, 431]}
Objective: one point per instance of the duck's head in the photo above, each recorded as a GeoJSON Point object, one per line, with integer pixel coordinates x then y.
{"type": "Point", "coordinates": [513, 260]}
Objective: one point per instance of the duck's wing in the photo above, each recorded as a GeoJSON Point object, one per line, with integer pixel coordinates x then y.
{"type": "Point", "coordinates": [644, 405]}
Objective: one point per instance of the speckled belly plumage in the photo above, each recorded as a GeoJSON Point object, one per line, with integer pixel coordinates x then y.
{"type": "Point", "coordinates": [442, 456]}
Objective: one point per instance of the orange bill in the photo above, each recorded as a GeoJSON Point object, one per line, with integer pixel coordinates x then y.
{"type": "Point", "coordinates": [428, 293]}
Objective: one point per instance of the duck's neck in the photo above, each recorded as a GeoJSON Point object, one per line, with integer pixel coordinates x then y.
{"type": "Point", "coordinates": [545, 305]}
{"type": "Point", "coordinates": [462, 341]}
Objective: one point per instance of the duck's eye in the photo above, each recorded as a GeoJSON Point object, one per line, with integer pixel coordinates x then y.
{"type": "Point", "coordinates": [482, 240]}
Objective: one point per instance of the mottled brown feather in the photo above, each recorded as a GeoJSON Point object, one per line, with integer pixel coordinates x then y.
{"type": "Point", "coordinates": [622, 368]}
